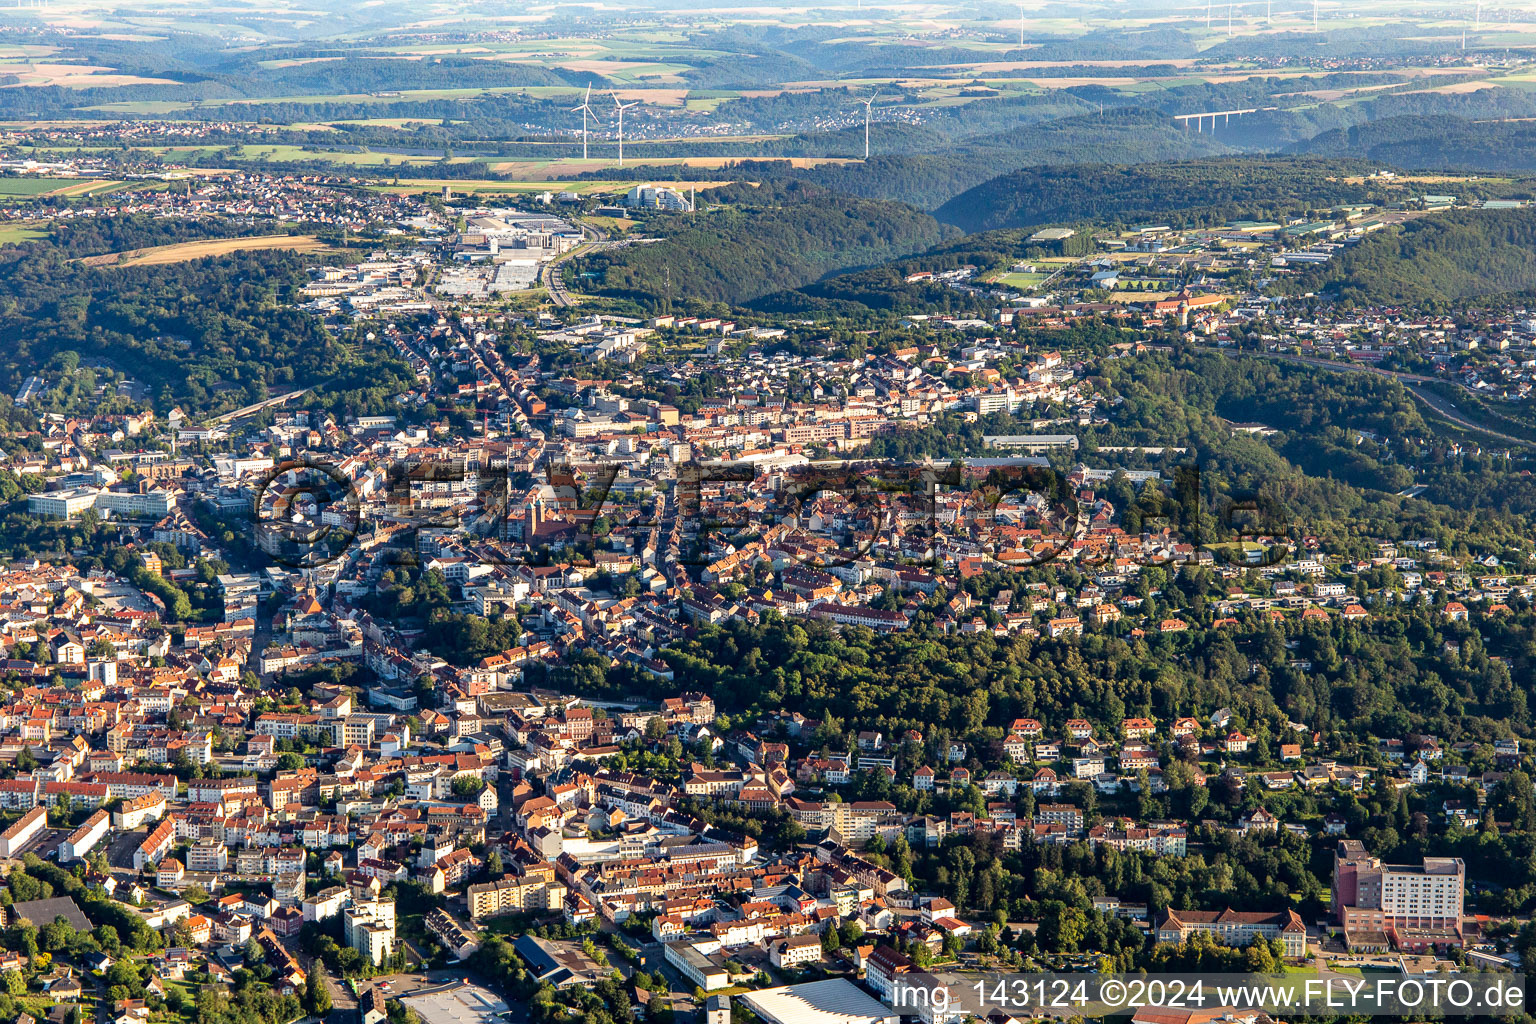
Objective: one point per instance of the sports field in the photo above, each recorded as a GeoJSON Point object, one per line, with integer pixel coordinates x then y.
{"type": "Point", "coordinates": [1022, 280]}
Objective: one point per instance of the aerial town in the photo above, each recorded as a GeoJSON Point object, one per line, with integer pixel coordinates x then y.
{"type": "Point", "coordinates": [292, 753]}
{"type": "Point", "coordinates": [832, 514]}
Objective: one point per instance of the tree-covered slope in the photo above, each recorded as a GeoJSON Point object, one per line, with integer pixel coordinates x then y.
{"type": "Point", "coordinates": [1433, 142]}
{"type": "Point", "coordinates": [209, 335]}
{"type": "Point", "coordinates": [1436, 261]}
{"type": "Point", "coordinates": [762, 240]}
{"type": "Point", "coordinates": [929, 164]}
{"type": "Point", "coordinates": [1206, 190]}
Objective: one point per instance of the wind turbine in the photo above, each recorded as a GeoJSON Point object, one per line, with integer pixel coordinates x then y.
{"type": "Point", "coordinates": [1021, 25]}
{"type": "Point", "coordinates": [1314, 15]}
{"type": "Point", "coordinates": [867, 104]}
{"type": "Point", "coordinates": [585, 108]}
{"type": "Point", "coordinates": [621, 107]}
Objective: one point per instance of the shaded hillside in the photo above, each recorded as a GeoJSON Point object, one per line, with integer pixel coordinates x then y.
{"type": "Point", "coordinates": [1438, 143]}
{"type": "Point", "coordinates": [208, 335]}
{"type": "Point", "coordinates": [929, 181]}
{"type": "Point", "coordinates": [1197, 191]}
{"type": "Point", "coordinates": [885, 289]}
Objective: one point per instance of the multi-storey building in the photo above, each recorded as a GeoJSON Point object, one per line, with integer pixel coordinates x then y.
{"type": "Point", "coordinates": [1236, 928]}
{"type": "Point", "coordinates": [370, 929]}
{"type": "Point", "coordinates": [513, 896]}
{"type": "Point", "coordinates": [1412, 906]}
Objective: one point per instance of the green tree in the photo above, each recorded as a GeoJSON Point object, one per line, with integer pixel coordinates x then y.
{"type": "Point", "coordinates": [317, 996]}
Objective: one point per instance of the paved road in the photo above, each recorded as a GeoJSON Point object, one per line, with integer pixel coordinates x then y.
{"type": "Point", "coordinates": [553, 280]}
{"type": "Point", "coordinates": [1411, 382]}
{"type": "Point", "coordinates": [120, 848]}
{"type": "Point", "coordinates": [249, 409]}
{"type": "Point", "coordinates": [552, 276]}
{"type": "Point", "coordinates": [342, 999]}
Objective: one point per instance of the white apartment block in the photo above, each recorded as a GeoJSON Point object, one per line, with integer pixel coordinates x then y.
{"type": "Point", "coordinates": [370, 929]}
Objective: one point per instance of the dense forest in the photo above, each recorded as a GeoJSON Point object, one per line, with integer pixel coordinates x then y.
{"type": "Point", "coordinates": [1321, 473]}
{"type": "Point", "coordinates": [885, 289]}
{"type": "Point", "coordinates": [1179, 193]}
{"type": "Point", "coordinates": [1439, 143]}
{"type": "Point", "coordinates": [899, 170]}
{"type": "Point", "coordinates": [1435, 262]}
{"type": "Point", "coordinates": [1198, 192]}
{"type": "Point", "coordinates": [1116, 136]}
{"type": "Point", "coordinates": [760, 240]}
{"type": "Point", "coordinates": [1389, 680]}
{"type": "Point", "coordinates": [208, 335]}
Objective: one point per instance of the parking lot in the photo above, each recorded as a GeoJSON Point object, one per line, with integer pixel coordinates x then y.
{"type": "Point", "coordinates": [120, 850]}
{"type": "Point", "coordinates": [46, 843]}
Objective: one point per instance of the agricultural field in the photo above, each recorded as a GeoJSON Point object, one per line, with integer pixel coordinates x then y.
{"type": "Point", "coordinates": [181, 252]}
{"type": "Point", "coordinates": [494, 186]}
{"type": "Point", "coordinates": [34, 188]}
{"type": "Point", "coordinates": [73, 76]}
{"type": "Point", "coordinates": [16, 187]}
{"type": "Point", "coordinates": [12, 233]}
{"type": "Point", "coordinates": [550, 170]}
{"type": "Point", "coordinates": [86, 188]}
{"type": "Point", "coordinates": [131, 107]}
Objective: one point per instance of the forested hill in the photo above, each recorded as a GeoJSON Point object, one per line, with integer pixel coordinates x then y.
{"type": "Point", "coordinates": [1118, 137]}
{"type": "Point", "coordinates": [886, 288]}
{"type": "Point", "coordinates": [1436, 262]}
{"type": "Point", "coordinates": [900, 171]}
{"type": "Point", "coordinates": [1181, 192]}
{"type": "Point", "coordinates": [208, 335]}
{"type": "Point", "coordinates": [761, 240]}
{"type": "Point", "coordinates": [1439, 143]}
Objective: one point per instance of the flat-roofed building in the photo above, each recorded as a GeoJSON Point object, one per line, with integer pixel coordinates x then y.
{"type": "Point", "coordinates": [513, 896]}
{"type": "Point", "coordinates": [370, 929]}
{"type": "Point", "coordinates": [706, 970]}
{"type": "Point", "coordinates": [834, 1001]}
{"type": "Point", "coordinates": [1033, 444]}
